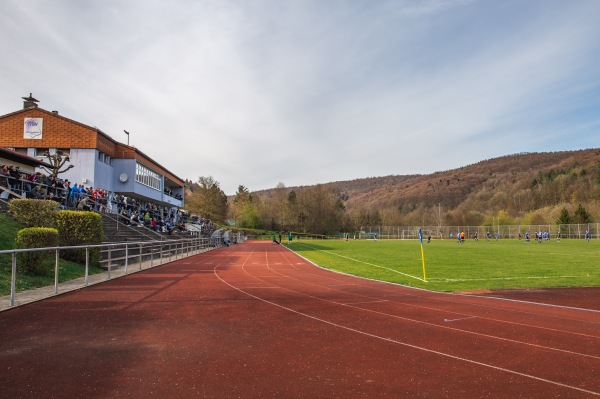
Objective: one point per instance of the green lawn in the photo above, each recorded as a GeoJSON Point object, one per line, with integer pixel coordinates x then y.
{"type": "Point", "coordinates": [473, 265]}
{"type": "Point", "coordinates": [67, 270]}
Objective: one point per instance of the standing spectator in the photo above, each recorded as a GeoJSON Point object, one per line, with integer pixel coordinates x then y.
{"type": "Point", "coordinates": [4, 176]}
{"type": "Point", "coordinates": [16, 176]}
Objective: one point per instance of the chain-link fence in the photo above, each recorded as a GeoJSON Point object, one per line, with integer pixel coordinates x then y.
{"type": "Point", "coordinates": [576, 231]}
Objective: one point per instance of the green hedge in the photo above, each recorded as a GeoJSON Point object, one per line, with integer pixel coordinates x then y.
{"type": "Point", "coordinates": [34, 212]}
{"type": "Point", "coordinates": [35, 237]}
{"type": "Point", "coordinates": [80, 228]}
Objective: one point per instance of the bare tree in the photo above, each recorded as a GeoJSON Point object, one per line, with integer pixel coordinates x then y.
{"type": "Point", "coordinates": [58, 161]}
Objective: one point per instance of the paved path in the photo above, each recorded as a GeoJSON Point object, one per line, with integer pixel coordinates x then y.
{"type": "Point", "coordinates": [256, 321]}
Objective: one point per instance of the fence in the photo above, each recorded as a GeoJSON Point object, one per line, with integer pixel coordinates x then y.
{"type": "Point", "coordinates": [117, 259]}
{"type": "Point", "coordinates": [504, 231]}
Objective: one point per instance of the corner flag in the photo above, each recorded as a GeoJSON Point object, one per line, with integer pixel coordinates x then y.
{"type": "Point", "coordinates": [422, 254]}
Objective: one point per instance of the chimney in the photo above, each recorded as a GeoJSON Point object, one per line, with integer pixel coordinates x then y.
{"type": "Point", "coordinates": [29, 102]}
{"type": "Point", "coordinates": [55, 112]}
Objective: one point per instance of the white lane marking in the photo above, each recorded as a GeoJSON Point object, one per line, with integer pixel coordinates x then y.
{"type": "Point", "coordinates": [407, 344]}
{"type": "Point", "coordinates": [462, 318]}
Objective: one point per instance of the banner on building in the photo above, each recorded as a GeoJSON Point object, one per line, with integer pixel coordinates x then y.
{"type": "Point", "coordinates": [33, 128]}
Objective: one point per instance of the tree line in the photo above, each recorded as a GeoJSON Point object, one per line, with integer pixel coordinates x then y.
{"type": "Point", "coordinates": [564, 193]}
{"type": "Point", "coordinates": [314, 209]}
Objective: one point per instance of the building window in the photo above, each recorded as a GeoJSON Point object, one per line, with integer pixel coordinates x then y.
{"type": "Point", "coordinates": [21, 150]}
{"type": "Point", "coordinates": [66, 152]}
{"type": "Point", "coordinates": [42, 152]}
{"type": "Point", "coordinates": [105, 158]}
{"type": "Point", "coordinates": [147, 176]}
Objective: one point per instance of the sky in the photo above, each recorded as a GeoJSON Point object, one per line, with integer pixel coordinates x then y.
{"type": "Point", "coordinates": [301, 92]}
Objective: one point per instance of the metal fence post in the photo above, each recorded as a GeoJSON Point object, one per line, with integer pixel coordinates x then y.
{"type": "Point", "coordinates": [87, 264]}
{"type": "Point", "coordinates": [13, 279]}
{"type": "Point", "coordinates": [109, 262]}
{"type": "Point", "coordinates": [140, 245]}
{"type": "Point", "coordinates": [152, 254]}
{"type": "Point", "coordinates": [56, 272]}
{"type": "Point", "coordinates": [126, 257]}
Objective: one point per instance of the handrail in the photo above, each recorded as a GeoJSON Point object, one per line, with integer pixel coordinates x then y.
{"type": "Point", "coordinates": [183, 246]}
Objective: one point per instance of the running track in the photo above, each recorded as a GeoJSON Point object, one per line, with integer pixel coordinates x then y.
{"type": "Point", "coordinates": [256, 321]}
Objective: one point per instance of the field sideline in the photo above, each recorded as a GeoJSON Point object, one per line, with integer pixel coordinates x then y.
{"type": "Point", "coordinates": [452, 267]}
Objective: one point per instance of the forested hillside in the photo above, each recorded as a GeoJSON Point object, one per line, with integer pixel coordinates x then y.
{"type": "Point", "coordinates": [529, 188]}
{"type": "Point", "coordinates": [521, 188]}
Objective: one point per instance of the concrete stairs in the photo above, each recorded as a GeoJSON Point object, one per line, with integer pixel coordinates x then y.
{"type": "Point", "coordinates": [115, 231]}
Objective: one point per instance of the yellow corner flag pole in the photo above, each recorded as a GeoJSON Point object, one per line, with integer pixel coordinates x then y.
{"type": "Point", "coordinates": [422, 254]}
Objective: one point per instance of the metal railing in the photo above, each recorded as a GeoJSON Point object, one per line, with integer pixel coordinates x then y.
{"type": "Point", "coordinates": [118, 259]}
{"type": "Point", "coordinates": [575, 231]}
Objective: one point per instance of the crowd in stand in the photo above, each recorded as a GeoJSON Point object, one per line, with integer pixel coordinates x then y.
{"type": "Point", "coordinates": [171, 194]}
{"type": "Point", "coordinates": [34, 185]}
{"type": "Point", "coordinates": [76, 196]}
{"type": "Point", "coordinates": [206, 225]}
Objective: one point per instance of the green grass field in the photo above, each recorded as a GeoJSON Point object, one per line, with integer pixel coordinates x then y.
{"type": "Point", "coordinates": [450, 266]}
{"type": "Point", "coordinates": [67, 270]}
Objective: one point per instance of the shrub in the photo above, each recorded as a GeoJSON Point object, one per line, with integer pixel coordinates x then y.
{"type": "Point", "coordinates": [80, 228]}
{"type": "Point", "coordinates": [33, 212]}
{"type": "Point", "coordinates": [35, 237]}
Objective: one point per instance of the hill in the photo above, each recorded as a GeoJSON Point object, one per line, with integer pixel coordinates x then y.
{"type": "Point", "coordinates": [512, 186]}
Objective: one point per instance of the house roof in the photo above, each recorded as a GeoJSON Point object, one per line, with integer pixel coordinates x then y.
{"type": "Point", "coordinates": [14, 156]}
{"type": "Point", "coordinates": [94, 129]}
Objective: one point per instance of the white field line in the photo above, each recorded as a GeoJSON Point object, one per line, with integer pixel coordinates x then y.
{"type": "Point", "coordinates": [405, 344]}
{"type": "Point", "coordinates": [367, 263]}
{"type": "Point", "coordinates": [501, 278]}
{"type": "Point", "coordinates": [447, 279]}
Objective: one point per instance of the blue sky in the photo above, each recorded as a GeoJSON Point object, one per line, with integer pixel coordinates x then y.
{"type": "Point", "coordinates": [262, 92]}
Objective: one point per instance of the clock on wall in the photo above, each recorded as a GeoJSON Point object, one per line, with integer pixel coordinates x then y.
{"type": "Point", "coordinates": [123, 178]}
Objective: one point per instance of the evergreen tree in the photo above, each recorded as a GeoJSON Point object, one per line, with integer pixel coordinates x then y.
{"type": "Point", "coordinates": [564, 217]}
{"type": "Point", "coordinates": [581, 215]}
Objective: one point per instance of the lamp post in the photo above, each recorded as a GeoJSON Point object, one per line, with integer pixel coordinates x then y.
{"type": "Point", "coordinates": [127, 133]}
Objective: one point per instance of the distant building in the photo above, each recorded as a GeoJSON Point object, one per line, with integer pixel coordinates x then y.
{"type": "Point", "coordinates": [25, 163]}
{"type": "Point", "coordinates": [99, 161]}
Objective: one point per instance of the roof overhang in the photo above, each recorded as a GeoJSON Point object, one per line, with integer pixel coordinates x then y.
{"type": "Point", "coordinates": [14, 156]}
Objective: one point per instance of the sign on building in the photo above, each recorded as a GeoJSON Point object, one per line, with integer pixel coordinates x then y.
{"type": "Point", "coordinates": [33, 128]}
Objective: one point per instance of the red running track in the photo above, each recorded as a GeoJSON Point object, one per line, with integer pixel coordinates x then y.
{"type": "Point", "coordinates": [257, 321]}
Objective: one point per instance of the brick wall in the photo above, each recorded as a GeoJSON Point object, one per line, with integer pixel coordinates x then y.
{"type": "Point", "coordinates": [58, 132]}
{"type": "Point", "coordinates": [61, 132]}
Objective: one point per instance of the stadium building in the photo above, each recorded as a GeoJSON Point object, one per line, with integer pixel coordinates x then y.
{"type": "Point", "coordinates": [97, 159]}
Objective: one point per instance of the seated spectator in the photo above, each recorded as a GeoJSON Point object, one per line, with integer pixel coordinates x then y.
{"type": "Point", "coordinates": [84, 204]}
{"type": "Point", "coordinates": [170, 226]}
{"type": "Point", "coordinates": [124, 216]}
{"type": "Point", "coordinates": [135, 219]}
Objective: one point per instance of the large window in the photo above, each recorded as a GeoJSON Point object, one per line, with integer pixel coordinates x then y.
{"type": "Point", "coordinates": [105, 158]}
{"type": "Point", "coordinates": [41, 152]}
{"type": "Point", "coordinates": [147, 176]}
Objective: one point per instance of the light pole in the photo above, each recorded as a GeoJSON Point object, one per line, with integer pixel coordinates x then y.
{"type": "Point", "coordinates": [127, 133]}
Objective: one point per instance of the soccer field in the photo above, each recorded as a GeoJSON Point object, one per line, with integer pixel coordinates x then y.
{"type": "Point", "coordinates": [451, 266]}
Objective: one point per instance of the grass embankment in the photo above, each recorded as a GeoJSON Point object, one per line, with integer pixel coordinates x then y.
{"type": "Point", "coordinates": [450, 266]}
{"type": "Point", "coordinates": [67, 270]}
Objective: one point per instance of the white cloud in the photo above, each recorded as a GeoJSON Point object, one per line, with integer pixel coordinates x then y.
{"type": "Point", "coordinates": [303, 92]}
